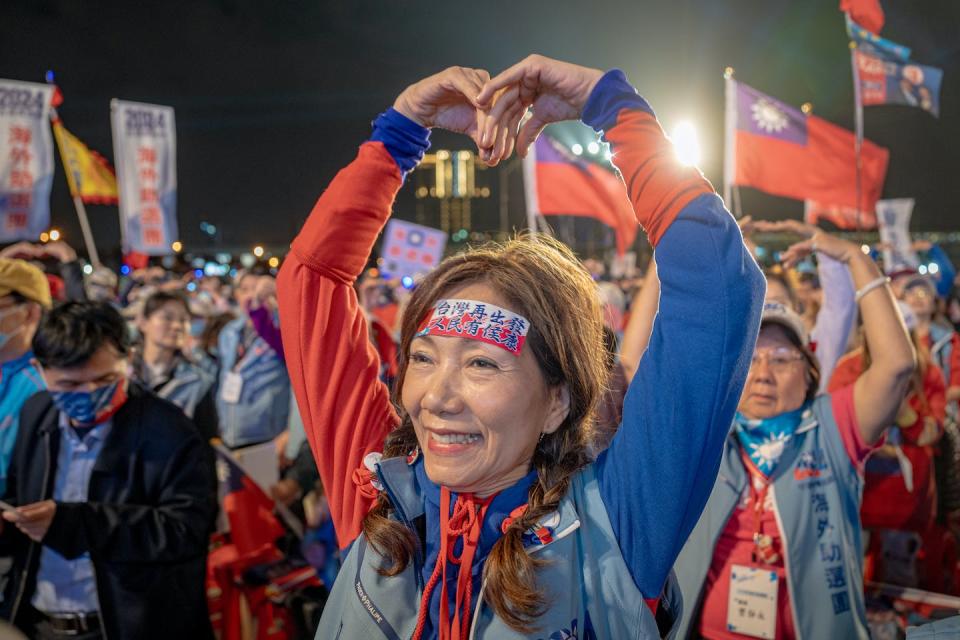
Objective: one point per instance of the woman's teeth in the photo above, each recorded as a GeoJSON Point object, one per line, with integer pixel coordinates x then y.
{"type": "Point", "coordinates": [454, 438]}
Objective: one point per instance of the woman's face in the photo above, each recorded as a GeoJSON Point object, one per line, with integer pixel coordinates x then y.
{"type": "Point", "coordinates": [777, 380]}
{"type": "Point", "coordinates": [478, 410]}
{"type": "Point", "coordinates": [167, 327]}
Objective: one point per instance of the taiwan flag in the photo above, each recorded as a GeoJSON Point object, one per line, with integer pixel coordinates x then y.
{"type": "Point", "coordinates": [249, 509]}
{"type": "Point", "coordinates": [557, 183]}
{"type": "Point", "coordinates": [776, 148]}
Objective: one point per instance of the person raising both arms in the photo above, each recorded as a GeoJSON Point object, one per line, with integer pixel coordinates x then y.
{"type": "Point", "coordinates": [484, 517]}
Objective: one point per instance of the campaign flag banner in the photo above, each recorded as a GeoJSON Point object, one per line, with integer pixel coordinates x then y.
{"type": "Point", "coordinates": [842, 217]}
{"type": "Point", "coordinates": [869, 13]}
{"type": "Point", "coordinates": [871, 42]}
{"type": "Point", "coordinates": [885, 81]}
{"type": "Point", "coordinates": [410, 249]}
{"type": "Point", "coordinates": [893, 218]}
{"type": "Point", "coordinates": [145, 150]}
{"type": "Point", "coordinates": [26, 159]}
{"type": "Point", "coordinates": [89, 175]}
{"type": "Point", "coordinates": [776, 148]}
{"type": "Point", "coordinates": [557, 183]}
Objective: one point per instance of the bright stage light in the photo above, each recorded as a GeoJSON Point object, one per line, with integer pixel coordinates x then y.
{"type": "Point", "coordinates": [258, 251]}
{"type": "Point", "coordinates": [933, 268]}
{"type": "Point", "coordinates": [685, 143]}
{"type": "Point", "coordinates": [577, 149]}
{"type": "Point", "coordinates": [593, 148]}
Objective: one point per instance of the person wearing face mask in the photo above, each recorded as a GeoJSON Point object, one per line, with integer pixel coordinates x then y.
{"type": "Point", "coordinates": [113, 495]}
{"type": "Point", "coordinates": [24, 294]}
{"type": "Point", "coordinates": [162, 366]}
{"type": "Point", "coordinates": [777, 552]}
{"type": "Point", "coordinates": [485, 516]}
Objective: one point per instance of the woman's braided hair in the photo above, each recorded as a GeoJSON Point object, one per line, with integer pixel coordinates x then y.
{"type": "Point", "coordinates": [543, 281]}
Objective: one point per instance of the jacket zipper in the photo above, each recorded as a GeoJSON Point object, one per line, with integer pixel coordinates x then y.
{"type": "Point", "coordinates": [33, 545]}
{"type": "Point", "coordinates": [786, 563]}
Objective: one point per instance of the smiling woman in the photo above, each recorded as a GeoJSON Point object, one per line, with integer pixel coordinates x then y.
{"type": "Point", "coordinates": [484, 516]}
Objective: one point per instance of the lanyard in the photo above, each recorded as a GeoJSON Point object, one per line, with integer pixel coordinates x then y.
{"type": "Point", "coordinates": [763, 547]}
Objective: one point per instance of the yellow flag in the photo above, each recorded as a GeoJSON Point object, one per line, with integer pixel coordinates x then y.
{"type": "Point", "coordinates": [89, 174]}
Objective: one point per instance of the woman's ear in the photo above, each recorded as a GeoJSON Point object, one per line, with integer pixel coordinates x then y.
{"type": "Point", "coordinates": [559, 408]}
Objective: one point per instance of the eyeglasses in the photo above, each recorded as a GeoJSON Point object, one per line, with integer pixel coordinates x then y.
{"type": "Point", "coordinates": [779, 360]}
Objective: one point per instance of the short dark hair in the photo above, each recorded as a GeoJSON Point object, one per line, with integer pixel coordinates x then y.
{"type": "Point", "coordinates": [160, 298]}
{"type": "Point", "coordinates": [72, 332]}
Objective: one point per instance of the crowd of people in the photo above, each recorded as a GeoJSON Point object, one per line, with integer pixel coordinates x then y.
{"type": "Point", "coordinates": [517, 447]}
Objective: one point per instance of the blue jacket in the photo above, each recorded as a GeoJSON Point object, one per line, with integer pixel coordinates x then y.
{"type": "Point", "coordinates": [583, 551]}
{"type": "Point", "coordinates": [817, 493]}
{"type": "Point", "coordinates": [19, 379]}
{"type": "Point", "coordinates": [264, 406]}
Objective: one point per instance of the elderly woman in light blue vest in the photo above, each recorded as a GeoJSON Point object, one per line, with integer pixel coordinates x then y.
{"type": "Point", "coordinates": [485, 517]}
{"type": "Point", "coordinates": [777, 551]}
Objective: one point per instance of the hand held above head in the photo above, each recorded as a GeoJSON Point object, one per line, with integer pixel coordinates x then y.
{"type": "Point", "coordinates": [556, 90]}
{"type": "Point", "coordinates": [448, 100]}
{"type": "Point", "coordinates": [815, 240]}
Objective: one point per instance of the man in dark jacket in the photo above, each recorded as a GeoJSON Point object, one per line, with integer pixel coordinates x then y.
{"type": "Point", "coordinates": [113, 494]}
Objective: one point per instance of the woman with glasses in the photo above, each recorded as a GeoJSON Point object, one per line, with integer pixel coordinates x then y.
{"type": "Point", "coordinates": [777, 551]}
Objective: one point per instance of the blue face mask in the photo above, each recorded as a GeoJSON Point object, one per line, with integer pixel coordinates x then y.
{"type": "Point", "coordinates": [765, 440]}
{"type": "Point", "coordinates": [90, 407]}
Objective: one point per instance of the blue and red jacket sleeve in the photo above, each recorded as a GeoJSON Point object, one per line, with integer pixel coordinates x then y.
{"type": "Point", "coordinates": [334, 368]}
{"type": "Point", "coordinates": [658, 472]}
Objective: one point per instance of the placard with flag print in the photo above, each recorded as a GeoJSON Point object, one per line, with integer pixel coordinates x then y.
{"type": "Point", "coordinates": [410, 249]}
{"type": "Point", "coordinates": [774, 147]}
{"type": "Point", "coordinates": [145, 150]}
{"type": "Point", "coordinates": [884, 81]}
{"type": "Point", "coordinates": [26, 159]}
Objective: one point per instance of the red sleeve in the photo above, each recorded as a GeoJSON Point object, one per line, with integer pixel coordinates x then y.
{"type": "Point", "coordinates": [333, 366]}
{"type": "Point", "coordinates": [657, 189]}
{"type": "Point", "coordinates": [955, 361]}
{"type": "Point", "coordinates": [845, 415]}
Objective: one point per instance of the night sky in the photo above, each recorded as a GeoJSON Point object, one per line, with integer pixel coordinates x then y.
{"type": "Point", "coordinates": [272, 97]}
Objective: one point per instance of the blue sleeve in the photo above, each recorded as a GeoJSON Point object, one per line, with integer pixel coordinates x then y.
{"type": "Point", "coordinates": [404, 139]}
{"type": "Point", "coordinates": [946, 273]}
{"type": "Point", "coordinates": [661, 466]}
{"type": "Point", "coordinates": [612, 93]}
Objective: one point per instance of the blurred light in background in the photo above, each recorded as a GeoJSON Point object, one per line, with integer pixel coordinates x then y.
{"type": "Point", "coordinates": [685, 143]}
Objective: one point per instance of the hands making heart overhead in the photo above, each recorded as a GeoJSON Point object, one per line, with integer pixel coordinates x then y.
{"type": "Point", "coordinates": [492, 111]}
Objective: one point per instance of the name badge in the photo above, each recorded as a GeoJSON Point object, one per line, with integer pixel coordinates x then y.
{"type": "Point", "coordinates": [752, 604]}
{"type": "Point", "coordinates": [231, 388]}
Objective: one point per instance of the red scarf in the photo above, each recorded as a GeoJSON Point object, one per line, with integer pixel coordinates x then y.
{"type": "Point", "coordinates": [465, 524]}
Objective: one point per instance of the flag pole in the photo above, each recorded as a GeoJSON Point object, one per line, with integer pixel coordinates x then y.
{"type": "Point", "coordinates": [77, 201]}
{"type": "Point", "coordinates": [858, 127]}
{"type": "Point", "coordinates": [729, 143]}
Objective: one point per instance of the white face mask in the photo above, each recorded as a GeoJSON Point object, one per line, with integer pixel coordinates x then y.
{"type": "Point", "coordinates": [7, 337]}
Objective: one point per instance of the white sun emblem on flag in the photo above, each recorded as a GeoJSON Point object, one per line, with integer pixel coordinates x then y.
{"type": "Point", "coordinates": [769, 450]}
{"type": "Point", "coordinates": [768, 116]}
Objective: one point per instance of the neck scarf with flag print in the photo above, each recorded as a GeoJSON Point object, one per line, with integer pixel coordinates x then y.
{"type": "Point", "coordinates": [764, 440]}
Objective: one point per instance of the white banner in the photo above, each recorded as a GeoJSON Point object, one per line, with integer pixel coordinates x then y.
{"type": "Point", "coordinates": [145, 151]}
{"type": "Point", "coordinates": [893, 220]}
{"type": "Point", "coordinates": [26, 160]}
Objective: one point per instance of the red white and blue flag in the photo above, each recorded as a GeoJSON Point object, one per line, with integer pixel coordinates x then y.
{"type": "Point", "coordinates": [557, 183]}
{"type": "Point", "coordinates": [774, 147]}
{"type": "Point", "coordinates": [249, 510]}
